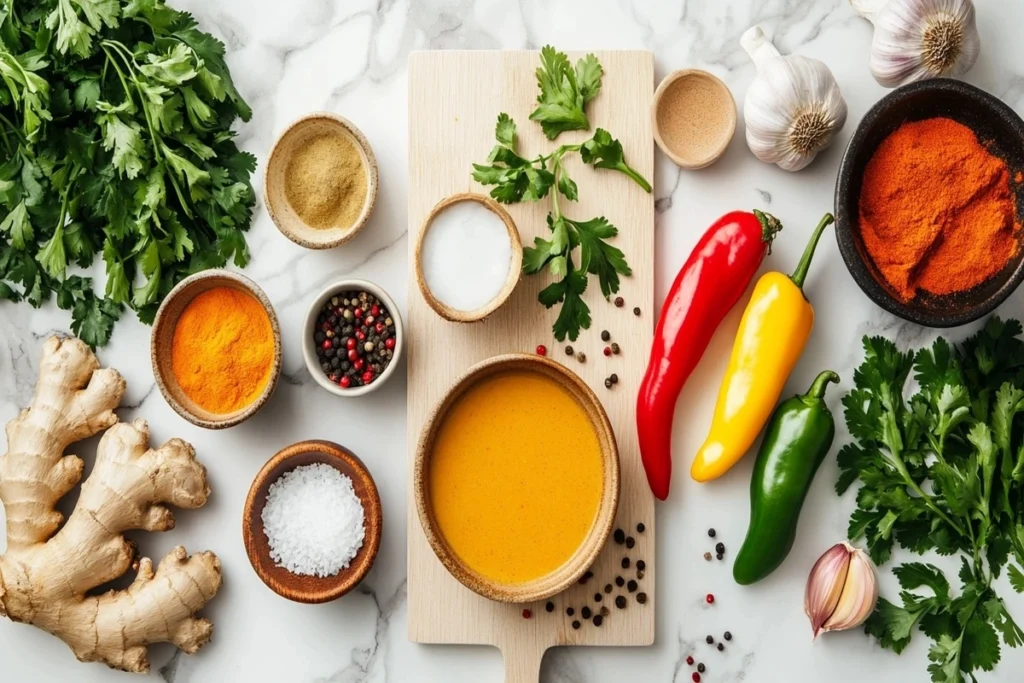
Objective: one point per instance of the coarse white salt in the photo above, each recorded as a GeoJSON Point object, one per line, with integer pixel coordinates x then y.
{"type": "Point", "coordinates": [314, 521]}
{"type": "Point", "coordinates": [466, 255]}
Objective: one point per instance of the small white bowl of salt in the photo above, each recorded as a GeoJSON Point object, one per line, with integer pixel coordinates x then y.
{"type": "Point", "coordinates": [468, 257]}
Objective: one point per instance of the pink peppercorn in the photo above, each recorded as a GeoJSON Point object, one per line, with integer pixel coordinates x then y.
{"type": "Point", "coordinates": [710, 598]}
{"type": "Point", "coordinates": [696, 677]}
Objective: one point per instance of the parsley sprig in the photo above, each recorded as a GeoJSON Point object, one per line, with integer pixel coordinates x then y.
{"type": "Point", "coordinates": [115, 141]}
{"type": "Point", "coordinates": [515, 178]}
{"type": "Point", "coordinates": [943, 471]}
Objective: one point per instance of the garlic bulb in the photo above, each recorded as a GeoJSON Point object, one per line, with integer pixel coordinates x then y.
{"type": "Point", "coordinates": [842, 590]}
{"type": "Point", "coordinates": [918, 39]}
{"type": "Point", "coordinates": [792, 108]}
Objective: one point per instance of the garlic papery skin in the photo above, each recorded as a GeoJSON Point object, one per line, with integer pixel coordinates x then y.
{"type": "Point", "coordinates": [842, 590]}
{"type": "Point", "coordinates": [919, 39]}
{"type": "Point", "coordinates": [793, 108]}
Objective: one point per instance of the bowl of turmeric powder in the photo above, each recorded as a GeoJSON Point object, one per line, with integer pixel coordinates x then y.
{"type": "Point", "coordinates": [320, 181]}
{"type": "Point", "coordinates": [216, 349]}
{"type": "Point", "coordinates": [930, 203]}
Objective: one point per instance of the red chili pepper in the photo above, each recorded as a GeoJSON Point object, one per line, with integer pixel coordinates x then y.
{"type": "Point", "coordinates": [710, 283]}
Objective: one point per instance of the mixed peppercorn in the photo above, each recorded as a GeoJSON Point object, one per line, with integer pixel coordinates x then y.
{"type": "Point", "coordinates": [354, 338]}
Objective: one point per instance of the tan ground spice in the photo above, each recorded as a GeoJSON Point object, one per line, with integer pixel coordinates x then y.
{"type": "Point", "coordinates": [692, 116]}
{"type": "Point", "coordinates": [325, 181]}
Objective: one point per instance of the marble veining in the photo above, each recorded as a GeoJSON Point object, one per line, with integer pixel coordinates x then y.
{"type": "Point", "coordinates": [349, 56]}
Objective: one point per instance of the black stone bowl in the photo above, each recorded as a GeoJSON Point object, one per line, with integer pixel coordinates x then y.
{"type": "Point", "coordinates": [997, 126]}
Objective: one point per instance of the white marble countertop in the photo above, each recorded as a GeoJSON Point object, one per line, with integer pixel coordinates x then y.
{"type": "Point", "coordinates": [349, 56]}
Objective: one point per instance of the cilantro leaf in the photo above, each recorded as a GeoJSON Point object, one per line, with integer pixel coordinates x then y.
{"type": "Point", "coordinates": [598, 257]}
{"type": "Point", "coordinates": [560, 102]}
{"type": "Point", "coordinates": [602, 151]}
{"type": "Point", "coordinates": [574, 314]}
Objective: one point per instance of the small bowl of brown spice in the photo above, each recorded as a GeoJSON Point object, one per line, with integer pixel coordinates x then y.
{"type": "Point", "coordinates": [694, 117]}
{"type": "Point", "coordinates": [320, 182]}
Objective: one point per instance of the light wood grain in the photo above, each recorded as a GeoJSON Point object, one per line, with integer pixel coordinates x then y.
{"type": "Point", "coordinates": [454, 100]}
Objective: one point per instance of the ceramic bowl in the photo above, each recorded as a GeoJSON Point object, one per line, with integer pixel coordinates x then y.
{"type": "Point", "coordinates": [570, 572]}
{"type": "Point", "coordinates": [163, 334]}
{"type": "Point", "coordinates": [311, 589]}
{"type": "Point", "coordinates": [515, 267]}
{"type": "Point", "coordinates": [281, 211]}
{"type": "Point", "coordinates": [309, 328]}
{"type": "Point", "coordinates": [996, 125]}
{"type": "Point", "coordinates": [723, 130]}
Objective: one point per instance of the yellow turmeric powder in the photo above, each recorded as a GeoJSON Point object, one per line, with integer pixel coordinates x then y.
{"type": "Point", "coordinates": [222, 350]}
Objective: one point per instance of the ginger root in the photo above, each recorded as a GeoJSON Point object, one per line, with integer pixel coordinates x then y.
{"type": "Point", "coordinates": [46, 574]}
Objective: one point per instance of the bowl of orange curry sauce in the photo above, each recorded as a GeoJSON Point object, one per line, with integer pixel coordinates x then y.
{"type": "Point", "coordinates": [929, 203]}
{"type": "Point", "coordinates": [516, 478]}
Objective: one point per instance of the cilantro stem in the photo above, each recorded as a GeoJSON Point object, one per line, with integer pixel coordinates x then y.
{"type": "Point", "coordinates": [637, 178]}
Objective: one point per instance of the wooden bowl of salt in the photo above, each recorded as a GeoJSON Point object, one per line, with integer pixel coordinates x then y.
{"type": "Point", "coordinates": [468, 257]}
{"type": "Point", "coordinates": [310, 588]}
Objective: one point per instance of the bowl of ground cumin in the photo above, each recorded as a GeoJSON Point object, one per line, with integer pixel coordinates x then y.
{"type": "Point", "coordinates": [320, 181]}
{"type": "Point", "coordinates": [930, 203]}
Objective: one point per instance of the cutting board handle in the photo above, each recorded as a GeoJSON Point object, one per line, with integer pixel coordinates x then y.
{"type": "Point", "coordinates": [522, 663]}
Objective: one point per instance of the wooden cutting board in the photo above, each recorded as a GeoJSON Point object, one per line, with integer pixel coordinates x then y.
{"type": "Point", "coordinates": [454, 101]}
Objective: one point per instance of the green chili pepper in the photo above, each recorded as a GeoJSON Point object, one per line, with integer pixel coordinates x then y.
{"type": "Point", "coordinates": [796, 441]}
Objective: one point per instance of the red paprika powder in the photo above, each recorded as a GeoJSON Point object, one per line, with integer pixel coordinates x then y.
{"type": "Point", "coordinates": [937, 211]}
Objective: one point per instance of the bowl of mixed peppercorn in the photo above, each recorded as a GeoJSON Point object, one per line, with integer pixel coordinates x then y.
{"type": "Point", "coordinates": [352, 339]}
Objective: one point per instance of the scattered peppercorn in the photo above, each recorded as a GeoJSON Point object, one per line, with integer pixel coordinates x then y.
{"type": "Point", "coordinates": [605, 611]}
{"type": "Point", "coordinates": [608, 588]}
{"type": "Point", "coordinates": [570, 611]}
{"type": "Point", "coordinates": [619, 581]}
{"type": "Point", "coordinates": [581, 357]}
{"type": "Point", "coordinates": [597, 597]}
{"type": "Point", "coordinates": [608, 383]}
{"type": "Point", "coordinates": [696, 677]}
{"type": "Point", "coordinates": [720, 556]}
{"type": "Point", "coordinates": [701, 668]}
{"type": "Point", "coordinates": [689, 660]}
{"type": "Point", "coordinates": [719, 547]}
{"type": "Point", "coordinates": [639, 575]}
{"type": "Point", "coordinates": [625, 563]}
{"type": "Point", "coordinates": [542, 350]}
{"type": "Point", "coordinates": [605, 335]}
{"type": "Point", "coordinates": [576, 625]}
{"type": "Point", "coordinates": [527, 614]}
{"type": "Point", "coordinates": [640, 528]}
{"type": "Point", "coordinates": [585, 612]}
{"type": "Point", "coordinates": [721, 647]}
{"type": "Point", "coordinates": [631, 586]}
{"type": "Point", "coordinates": [568, 350]}
{"type": "Point", "coordinates": [641, 565]}
{"type": "Point", "coordinates": [550, 606]}
{"type": "Point", "coordinates": [710, 640]}
{"type": "Point", "coordinates": [712, 533]}
{"type": "Point", "coordinates": [607, 351]}
{"type": "Point", "coordinates": [619, 536]}
{"type": "Point", "coordinates": [728, 636]}
{"type": "Point", "coordinates": [630, 542]}
{"type": "Point", "coordinates": [641, 598]}
{"type": "Point", "coordinates": [614, 378]}
{"type": "Point", "coordinates": [707, 556]}
{"type": "Point", "coordinates": [598, 620]}
{"type": "Point", "coordinates": [620, 602]}
{"type": "Point", "coordinates": [615, 348]}
{"type": "Point", "coordinates": [636, 310]}
{"type": "Point", "coordinates": [586, 577]}
{"type": "Point", "coordinates": [710, 599]}
{"type": "Point", "coordinates": [619, 301]}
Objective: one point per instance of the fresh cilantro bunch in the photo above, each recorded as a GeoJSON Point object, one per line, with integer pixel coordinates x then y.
{"type": "Point", "coordinates": [942, 470]}
{"type": "Point", "coordinates": [517, 179]}
{"type": "Point", "coordinates": [115, 140]}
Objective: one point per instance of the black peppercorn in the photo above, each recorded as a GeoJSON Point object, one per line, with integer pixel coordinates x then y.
{"type": "Point", "coordinates": [605, 611]}
{"type": "Point", "coordinates": [719, 547]}
{"type": "Point", "coordinates": [576, 625]}
{"type": "Point", "coordinates": [641, 565]}
{"type": "Point", "coordinates": [619, 536]}
{"type": "Point", "coordinates": [619, 301]}
{"type": "Point", "coordinates": [598, 620]}
{"type": "Point", "coordinates": [570, 611]}
{"type": "Point", "coordinates": [701, 668]}
{"type": "Point", "coordinates": [598, 597]}
{"type": "Point", "coordinates": [608, 383]}
{"type": "Point", "coordinates": [712, 533]}
{"type": "Point", "coordinates": [568, 350]}
{"type": "Point", "coordinates": [614, 378]}
{"type": "Point", "coordinates": [636, 311]}
{"type": "Point", "coordinates": [630, 542]}
{"type": "Point", "coordinates": [720, 556]}
{"type": "Point", "coordinates": [631, 586]}
{"type": "Point", "coordinates": [620, 602]}
{"type": "Point", "coordinates": [585, 612]}
{"type": "Point", "coordinates": [640, 528]}
{"type": "Point", "coordinates": [619, 581]}
{"type": "Point", "coordinates": [615, 348]}
{"type": "Point", "coordinates": [625, 563]}
{"type": "Point", "coordinates": [641, 598]}
{"type": "Point", "coordinates": [605, 335]}
{"type": "Point", "coordinates": [709, 640]}
{"type": "Point", "coordinates": [728, 636]}
{"type": "Point", "coordinates": [550, 606]}
{"type": "Point", "coordinates": [721, 647]}
{"type": "Point", "coordinates": [608, 588]}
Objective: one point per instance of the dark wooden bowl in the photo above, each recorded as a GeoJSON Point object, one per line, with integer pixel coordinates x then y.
{"type": "Point", "coordinates": [311, 589]}
{"type": "Point", "coordinates": [997, 126]}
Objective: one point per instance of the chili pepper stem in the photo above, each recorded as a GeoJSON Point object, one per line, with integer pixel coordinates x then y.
{"type": "Point", "coordinates": [820, 384]}
{"type": "Point", "coordinates": [800, 274]}
{"type": "Point", "coordinates": [770, 227]}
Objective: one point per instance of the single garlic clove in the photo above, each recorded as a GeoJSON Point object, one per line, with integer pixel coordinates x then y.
{"type": "Point", "coordinates": [860, 594]}
{"type": "Point", "coordinates": [825, 585]}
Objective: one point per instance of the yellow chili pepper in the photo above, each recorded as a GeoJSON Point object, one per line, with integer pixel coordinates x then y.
{"type": "Point", "coordinates": [770, 339]}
